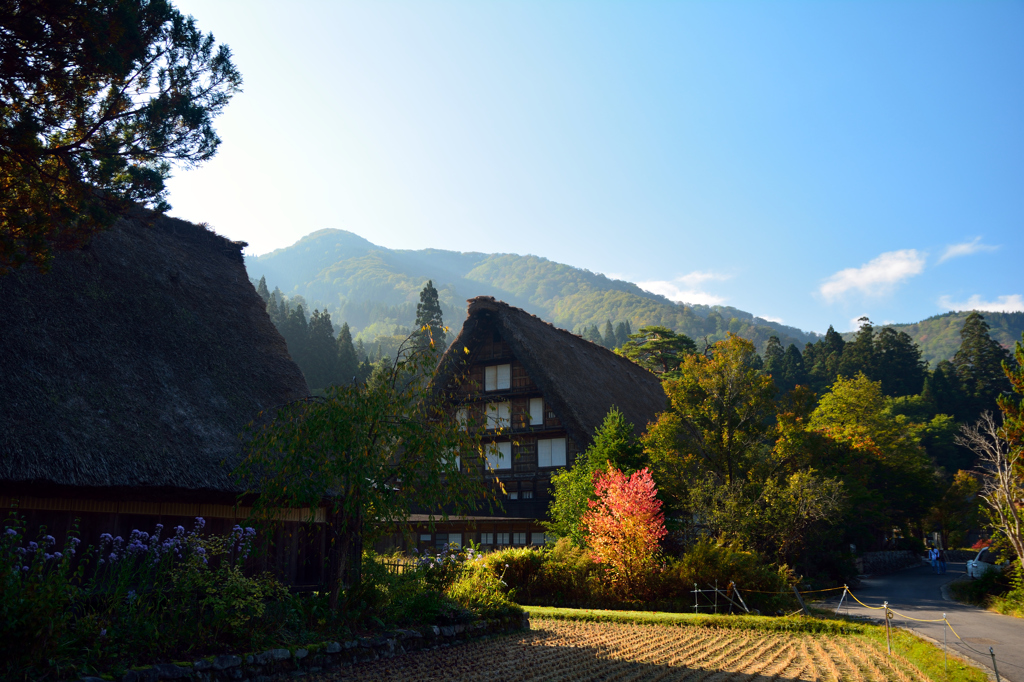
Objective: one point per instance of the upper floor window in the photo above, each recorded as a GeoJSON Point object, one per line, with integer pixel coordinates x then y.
{"type": "Point", "coordinates": [497, 377]}
{"type": "Point", "coordinates": [551, 452]}
{"type": "Point", "coordinates": [536, 411]}
{"type": "Point", "coordinates": [499, 456]}
{"type": "Point", "coordinates": [499, 415]}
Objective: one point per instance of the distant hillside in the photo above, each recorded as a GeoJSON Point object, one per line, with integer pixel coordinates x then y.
{"type": "Point", "coordinates": [375, 289]}
{"type": "Point", "coordinates": [939, 335]}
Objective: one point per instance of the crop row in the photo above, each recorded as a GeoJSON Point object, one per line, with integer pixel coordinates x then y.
{"type": "Point", "coordinates": [562, 650]}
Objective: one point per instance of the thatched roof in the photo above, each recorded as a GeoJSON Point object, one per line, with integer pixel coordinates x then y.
{"type": "Point", "coordinates": [132, 367]}
{"type": "Point", "coordinates": [580, 380]}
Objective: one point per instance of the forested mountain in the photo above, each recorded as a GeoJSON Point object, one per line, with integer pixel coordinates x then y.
{"type": "Point", "coordinates": [939, 335]}
{"type": "Point", "coordinates": [374, 289]}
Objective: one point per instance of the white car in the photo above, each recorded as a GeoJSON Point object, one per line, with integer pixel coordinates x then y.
{"type": "Point", "coordinates": [988, 560]}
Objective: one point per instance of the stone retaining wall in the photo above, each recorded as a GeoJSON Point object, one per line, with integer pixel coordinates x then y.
{"type": "Point", "coordinates": [875, 563]}
{"type": "Point", "coordinates": [277, 664]}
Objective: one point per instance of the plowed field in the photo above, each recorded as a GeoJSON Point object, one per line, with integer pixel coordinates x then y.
{"type": "Point", "coordinates": [560, 650]}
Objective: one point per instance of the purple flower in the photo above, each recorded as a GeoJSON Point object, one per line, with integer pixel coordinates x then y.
{"type": "Point", "coordinates": [200, 522]}
{"type": "Point", "coordinates": [180, 530]}
{"type": "Point", "coordinates": [250, 531]}
{"type": "Point", "coordinates": [200, 551]}
{"type": "Point", "coordinates": [58, 555]}
{"type": "Point", "coordinates": [76, 541]}
{"type": "Point", "coordinates": [47, 557]}
{"type": "Point", "coordinates": [24, 568]}
{"type": "Point", "coordinates": [113, 557]}
{"type": "Point", "coordinates": [10, 531]}
{"type": "Point", "coordinates": [106, 537]}
{"type": "Point", "coordinates": [103, 632]}
{"type": "Point", "coordinates": [33, 546]}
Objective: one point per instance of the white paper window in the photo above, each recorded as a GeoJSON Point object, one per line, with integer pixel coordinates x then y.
{"type": "Point", "coordinates": [502, 538]}
{"type": "Point", "coordinates": [455, 539]}
{"type": "Point", "coordinates": [527, 494]}
{"type": "Point", "coordinates": [551, 452]}
{"type": "Point", "coordinates": [538, 539]}
{"type": "Point", "coordinates": [425, 537]}
{"type": "Point", "coordinates": [499, 455]}
{"type": "Point", "coordinates": [513, 495]}
{"type": "Point", "coordinates": [497, 377]}
{"type": "Point", "coordinates": [498, 415]}
{"type": "Point", "coordinates": [518, 538]}
{"type": "Point", "coordinates": [486, 538]}
{"type": "Point", "coordinates": [462, 415]}
{"type": "Point", "coordinates": [536, 411]}
{"type": "Point", "coordinates": [456, 460]}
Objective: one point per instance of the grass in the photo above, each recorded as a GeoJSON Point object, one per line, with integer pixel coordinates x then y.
{"type": "Point", "coordinates": [920, 653]}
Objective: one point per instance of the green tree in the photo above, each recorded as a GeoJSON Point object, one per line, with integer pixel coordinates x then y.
{"type": "Point", "coordinates": [822, 359]}
{"type": "Point", "coordinates": [322, 366]}
{"type": "Point", "coordinates": [430, 329]}
{"type": "Point", "coordinates": [876, 453]}
{"type": "Point", "coordinates": [591, 334]}
{"type": "Point", "coordinates": [897, 363]}
{"type": "Point", "coordinates": [658, 349]}
{"type": "Point", "coordinates": [295, 331]}
{"type": "Point", "coordinates": [615, 444]}
{"type": "Point", "coordinates": [719, 419]}
{"type": "Point", "coordinates": [622, 332]}
{"type": "Point", "coordinates": [608, 338]}
{"type": "Point", "coordinates": [979, 368]}
{"type": "Point", "coordinates": [859, 355]}
{"type": "Point", "coordinates": [348, 360]}
{"type": "Point", "coordinates": [97, 100]}
{"type": "Point", "coordinates": [956, 512]}
{"type": "Point", "coordinates": [368, 453]}
{"type": "Point", "coordinates": [262, 290]}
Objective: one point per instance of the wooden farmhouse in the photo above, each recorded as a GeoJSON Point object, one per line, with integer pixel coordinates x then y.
{"type": "Point", "coordinates": [543, 392]}
{"type": "Point", "coordinates": [128, 373]}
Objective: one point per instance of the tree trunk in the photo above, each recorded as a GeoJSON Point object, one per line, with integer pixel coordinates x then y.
{"type": "Point", "coordinates": [338, 557]}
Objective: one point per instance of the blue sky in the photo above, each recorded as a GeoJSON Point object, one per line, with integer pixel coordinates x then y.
{"type": "Point", "coordinates": [810, 162]}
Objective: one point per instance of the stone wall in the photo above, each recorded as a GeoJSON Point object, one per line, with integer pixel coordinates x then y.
{"type": "Point", "coordinates": [875, 563]}
{"type": "Point", "coordinates": [279, 664]}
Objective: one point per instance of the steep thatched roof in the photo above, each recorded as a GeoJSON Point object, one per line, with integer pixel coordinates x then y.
{"type": "Point", "coordinates": [580, 380]}
{"type": "Point", "coordinates": [134, 365]}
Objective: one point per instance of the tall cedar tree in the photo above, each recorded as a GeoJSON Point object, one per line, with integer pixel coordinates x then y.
{"type": "Point", "coordinates": [622, 332]}
{"type": "Point", "coordinates": [429, 323]}
{"type": "Point", "coordinates": [979, 368]}
{"type": "Point", "coordinates": [97, 99]}
{"type": "Point", "coordinates": [262, 290]}
{"type": "Point", "coordinates": [348, 360]}
{"type": "Point", "coordinates": [608, 338]}
{"type": "Point", "coordinates": [322, 367]}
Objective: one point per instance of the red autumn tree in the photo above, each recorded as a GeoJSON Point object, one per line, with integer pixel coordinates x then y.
{"type": "Point", "coordinates": [624, 525]}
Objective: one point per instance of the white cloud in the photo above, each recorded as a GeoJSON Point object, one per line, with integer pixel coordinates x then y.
{"type": "Point", "coordinates": [776, 320]}
{"type": "Point", "coordinates": [876, 277]}
{"type": "Point", "coordinates": [684, 289]}
{"type": "Point", "coordinates": [1003, 304]}
{"type": "Point", "coordinates": [966, 249]}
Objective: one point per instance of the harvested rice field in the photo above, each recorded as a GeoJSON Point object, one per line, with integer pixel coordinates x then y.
{"type": "Point", "coordinates": [563, 650]}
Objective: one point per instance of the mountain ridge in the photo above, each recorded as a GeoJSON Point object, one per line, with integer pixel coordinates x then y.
{"type": "Point", "coordinates": [375, 289]}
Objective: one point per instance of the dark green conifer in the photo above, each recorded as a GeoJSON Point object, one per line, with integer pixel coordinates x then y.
{"type": "Point", "coordinates": [608, 338]}
{"type": "Point", "coordinates": [348, 360]}
{"type": "Point", "coordinates": [979, 368]}
{"type": "Point", "coordinates": [262, 290]}
{"type": "Point", "coordinates": [429, 322]}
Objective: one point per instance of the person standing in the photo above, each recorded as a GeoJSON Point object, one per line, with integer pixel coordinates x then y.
{"type": "Point", "coordinates": [942, 561]}
{"type": "Point", "coordinates": [933, 555]}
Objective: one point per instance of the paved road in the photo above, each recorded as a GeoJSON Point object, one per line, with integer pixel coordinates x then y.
{"type": "Point", "coordinates": [917, 593]}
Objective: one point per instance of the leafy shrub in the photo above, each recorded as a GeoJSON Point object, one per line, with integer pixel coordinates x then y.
{"type": "Point", "coordinates": [477, 588]}
{"type": "Point", "coordinates": [763, 585]}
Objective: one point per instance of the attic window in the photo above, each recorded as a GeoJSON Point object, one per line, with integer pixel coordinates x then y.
{"type": "Point", "coordinates": [497, 377]}
{"type": "Point", "coordinates": [551, 452]}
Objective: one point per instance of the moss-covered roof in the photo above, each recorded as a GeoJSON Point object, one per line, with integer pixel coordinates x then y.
{"type": "Point", "coordinates": [135, 363]}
